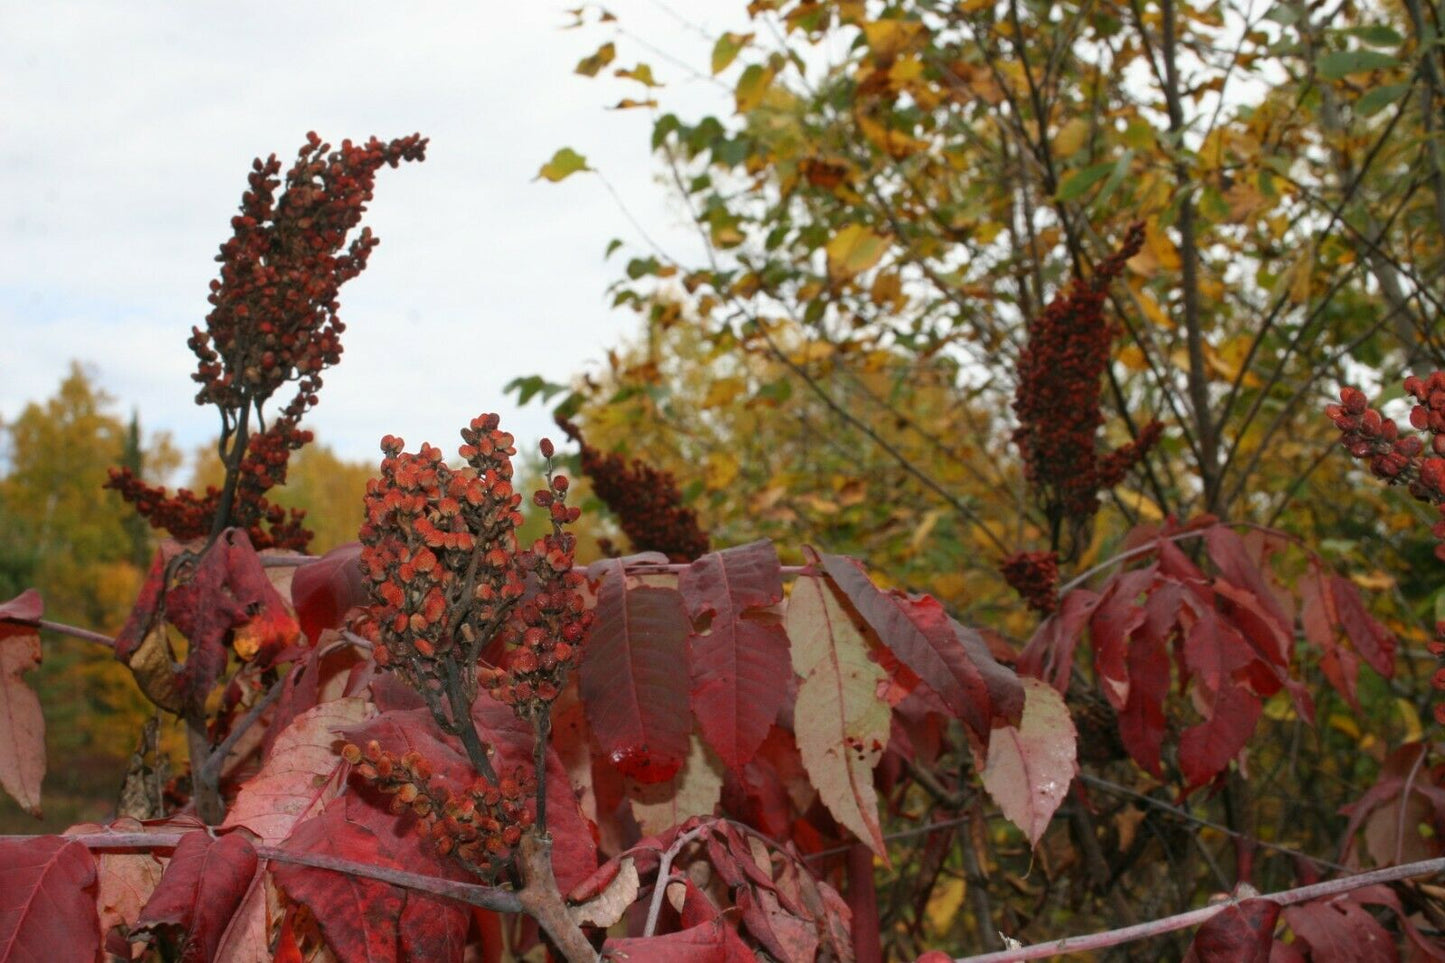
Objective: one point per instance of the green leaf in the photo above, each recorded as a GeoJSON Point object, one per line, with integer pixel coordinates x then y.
{"type": "Point", "coordinates": [531, 386]}
{"type": "Point", "coordinates": [1342, 63]}
{"type": "Point", "coordinates": [612, 245]}
{"type": "Point", "coordinates": [727, 48]}
{"type": "Point", "coordinates": [1378, 98]}
{"type": "Point", "coordinates": [1080, 181]}
{"type": "Point", "coordinates": [563, 164]}
{"type": "Point", "coordinates": [1377, 35]}
{"type": "Point", "coordinates": [1282, 14]}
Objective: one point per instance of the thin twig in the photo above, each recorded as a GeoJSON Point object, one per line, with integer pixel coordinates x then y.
{"type": "Point", "coordinates": [486, 897]}
{"type": "Point", "coordinates": [1170, 924]}
{"type": "Point", "coordinates": [77, 632]}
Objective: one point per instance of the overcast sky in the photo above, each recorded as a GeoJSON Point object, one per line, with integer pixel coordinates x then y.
{"type": "Point", "coordinates": [127, 129]}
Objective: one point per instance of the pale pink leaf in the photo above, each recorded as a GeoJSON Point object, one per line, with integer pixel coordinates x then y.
{"type": "Point", "coordinates": [1030, 766]}
{"type": "Point", "coordinates": [22, 727]}
{"type": "Point", "coordinates": [298, 777]}
{"type": "Point", "coordinates": [843, 726]}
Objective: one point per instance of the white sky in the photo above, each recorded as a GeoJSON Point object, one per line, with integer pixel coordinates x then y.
{"type": "Point", "coordinates": [127, 129]}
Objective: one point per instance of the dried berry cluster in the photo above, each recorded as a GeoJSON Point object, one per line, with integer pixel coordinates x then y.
{"type": "Point", "coordinates": [646, 501]}
{"type": "Point", "coordinates": [479, 827]}
{"type": "Point", "coordinates": [1375, 439]}
{"type": "Point", "coordinates": [447, 579]}
{"type": "Point", "coordinates": [1057, 399]}
{"type": "Point", "coordinates": [274, 320]}
{"type": "Point", "coordinates": [1035, 577]}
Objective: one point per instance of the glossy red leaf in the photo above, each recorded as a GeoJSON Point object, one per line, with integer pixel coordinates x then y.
{"type": "Point", "coordinates": [47, 900]}
{"type": "Point", "coordinates": [738, 661]}
{"type": "Point", "coordinates": [1239, 933]}
{"type": "Point", "coordinates": [1115, 618]}
{"type": "Point", "coordinates": [1370, 639]}
{"type": "Point", "coordinates": [713, 942]}
{"type": "Point", "coordinates": [1050, 653]}
{"type": "Point", "coordinates": [199, 893]}
{"type": "Point", "coordinates": [227, 600]}
{"type": "Point", "coordinates": [1214, 652]}
{"type": "Point", "coordinates": [974, 686]}
{"type": "Point", "coordinates": [574, 853]}
{"type": "Point", "coordinates": [359, 917]}
{"type": "Point", "coordinates": [1141, 720]}
{"type": "Point", "coordinates": [633, 679]}
{"type": "Point", "coordinates": [323, 591]}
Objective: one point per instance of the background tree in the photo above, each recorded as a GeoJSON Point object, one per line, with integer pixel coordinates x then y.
{"type": "Point", "coordinates": [903, 191]}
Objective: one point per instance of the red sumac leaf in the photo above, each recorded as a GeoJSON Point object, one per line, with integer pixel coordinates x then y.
{"type": "Point", "coordinates": [359, 917]}
{"type": "Point", "coordinates": [323, 591]}
{"type": "Point", "coordinates": [1240, 933]}
{"type": "Point", "coordinates": [1340, 930]}
{"type": "Point", "coordinates": [200, 891]}
{"type": "Point", "coordinates": [842, 726]}
{"type": "Point", "coordinates": [1030, 766]}
{"type": "Point", "coordinates": [740, 664]}
{"type": "Point", "coordinates": [713, 942]}
{"type": "Point", "coordinates": [297, 777]}
{"type": "Point", "coordinates": [24, 609]}
{"type": "Point", "coordinates": [1115, 618]}
{"type": "Point", "coordinates": [47, 899]}
{"type": "Point", "coordinates": [975, 687]}
{"type": "Point", "coordinates": [632, 677]}
{"type": "Point", "coordinates": [22, 725]}
{"type": "Point", "coordinates": [1375, 645]}
{"type": "Point", "coordinates": [1141, 720]}
{"type": "Point", "coordinates": [1050, 653]}
{"type": "Point", "coordinates": [1214, 652]}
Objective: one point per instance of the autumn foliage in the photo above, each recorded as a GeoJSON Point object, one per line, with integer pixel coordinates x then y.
{"type": "Point", "coordinates": [446, 741]}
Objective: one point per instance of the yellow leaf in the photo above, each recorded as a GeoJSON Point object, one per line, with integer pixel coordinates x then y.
{"type": "Point", "coordinates": [727, 48]}
{"type": "Point", "coordinates": [1152, 310]}
{"type": "Point", "coordinates": [722, 392]}
{"type": "Point", "coordinates": [889, 38]}
{"type": "Point", "coordinates": [589, 66]}
{"type": "Point", "coordinates": [1411, 718]}
{"type": "Point", "coordinates": [944, 904]}
{"type": "Point", "coordinates": [720, 470]}
{"type": "Point", "coordinates": [1376, 581]}
{"type": "Point", "coordinates": [642, 73]}
{"type": "Point", "coordinates": [848, 724]}
{"type": "Point", "coordinates": [1132, 357]}
{"type": "Point", "coordinates": [895, 143]}
{"type": "Point", "coordinates": [563, 164]}
{"type": "Point", "coordinates": [1141, 504]}
{"type": "Point", "coordinates": [855, 249]}
{"type": "Point", "coordinates": [1158, 253]}
{"type": "Point", "coordinates": [1301, 274]}
{"type": "Point", "coordinates": [1071, 137]}
{"type": "Point", "coordinates": [752, 85]}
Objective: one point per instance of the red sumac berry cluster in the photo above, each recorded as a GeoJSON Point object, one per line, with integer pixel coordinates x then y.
{"type": "Point", "coordinates": [549, 625]}
{"type": "Point", "coordinates": [646, 501]}
{"type": "Point", "coordinates": [1397, 458]}
{"type": "Point", "coordinates": [273, 320]}
{"type": "Point", "coordinates": [1057, 399]}
{"type": "Point", "coordinates": [1377, 441]}
{"type": "Point", "coordinates": [448, 580]}
{"type": "Point", "coordinates": [1035, 577]}
{"type": "Point", "coordinates": [479, 827]}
